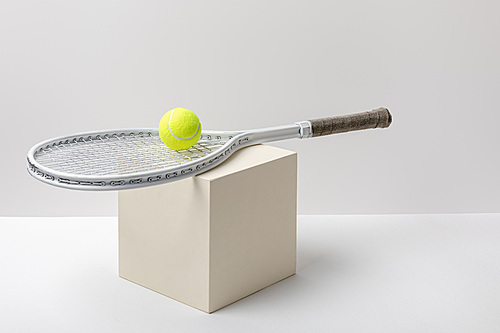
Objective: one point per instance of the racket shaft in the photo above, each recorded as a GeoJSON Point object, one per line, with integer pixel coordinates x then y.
{"type": "Point", "coordinates": [275, 133]}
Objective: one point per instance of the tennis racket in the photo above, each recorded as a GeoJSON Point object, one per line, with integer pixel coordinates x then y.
{"type": "Point", "coordinates": [133, 158]}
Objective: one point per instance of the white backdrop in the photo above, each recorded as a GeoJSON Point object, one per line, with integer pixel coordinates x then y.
{"type": "Point", "coordinates": [72, 66]}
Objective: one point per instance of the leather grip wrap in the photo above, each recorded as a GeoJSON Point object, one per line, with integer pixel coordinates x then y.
{"type": "Point", "coordinates": [378, 118]}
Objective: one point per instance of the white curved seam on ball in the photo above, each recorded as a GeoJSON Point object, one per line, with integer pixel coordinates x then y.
{"type": "Point", "coordinates": [175, 136]}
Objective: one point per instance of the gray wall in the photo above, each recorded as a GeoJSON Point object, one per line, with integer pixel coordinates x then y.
{"type": "Point", "coordinates": [88, 65]}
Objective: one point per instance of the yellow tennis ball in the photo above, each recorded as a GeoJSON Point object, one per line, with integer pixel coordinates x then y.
{"type": "Point", "coordinates": [179, 129]}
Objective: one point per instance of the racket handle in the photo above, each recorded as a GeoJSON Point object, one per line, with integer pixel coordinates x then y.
{"type": "Point", "coordinates": [378, 118]}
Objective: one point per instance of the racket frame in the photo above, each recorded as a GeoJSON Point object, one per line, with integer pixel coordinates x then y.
{"type": "Point", "coordinates": [235, 141]}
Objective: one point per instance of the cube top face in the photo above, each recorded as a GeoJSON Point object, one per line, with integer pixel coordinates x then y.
{"type": "Point", "coordinates": [244, 159]}
{"type": "Point", "coordinates": [210, 240]}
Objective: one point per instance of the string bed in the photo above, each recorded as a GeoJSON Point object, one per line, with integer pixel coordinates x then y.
{"type": "Point", "coordinates": [119, 154]}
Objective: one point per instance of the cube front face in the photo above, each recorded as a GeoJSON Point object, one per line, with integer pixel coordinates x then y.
{"type": "Point", "coordinates": [163, 239]}
{"type": "Point", "coordinates": [211, 240]}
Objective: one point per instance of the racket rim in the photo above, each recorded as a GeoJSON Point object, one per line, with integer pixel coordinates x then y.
{"type": "Point", "coordinates": [32, 161]}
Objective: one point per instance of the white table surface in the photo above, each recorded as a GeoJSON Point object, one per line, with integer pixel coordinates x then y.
{"type": "Point", "coordinates": [382, 273]}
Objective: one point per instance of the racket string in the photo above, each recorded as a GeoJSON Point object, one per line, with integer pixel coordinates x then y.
{"type": "Point", "coordinates": [119, 154]}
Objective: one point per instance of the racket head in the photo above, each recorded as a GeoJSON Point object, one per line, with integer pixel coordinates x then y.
{"type": "Point", "coordinates": [125, 158]}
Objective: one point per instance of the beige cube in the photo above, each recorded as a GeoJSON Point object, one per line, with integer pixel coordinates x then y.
{"type": "Point", "coordinates": [213, 239]}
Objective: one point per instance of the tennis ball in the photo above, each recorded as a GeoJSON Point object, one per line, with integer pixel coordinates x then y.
{"type": "Point", "coordinates": [179, 129]}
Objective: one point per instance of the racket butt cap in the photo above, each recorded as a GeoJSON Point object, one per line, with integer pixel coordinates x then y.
{"type": "Point", "coordinates": [385, 117]}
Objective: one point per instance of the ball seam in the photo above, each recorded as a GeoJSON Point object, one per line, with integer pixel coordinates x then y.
{"type": "Point", "coordinates": [175, 136]}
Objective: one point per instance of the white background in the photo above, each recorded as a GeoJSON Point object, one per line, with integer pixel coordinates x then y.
{"type": "Point", "coordinates": [72, 66]}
